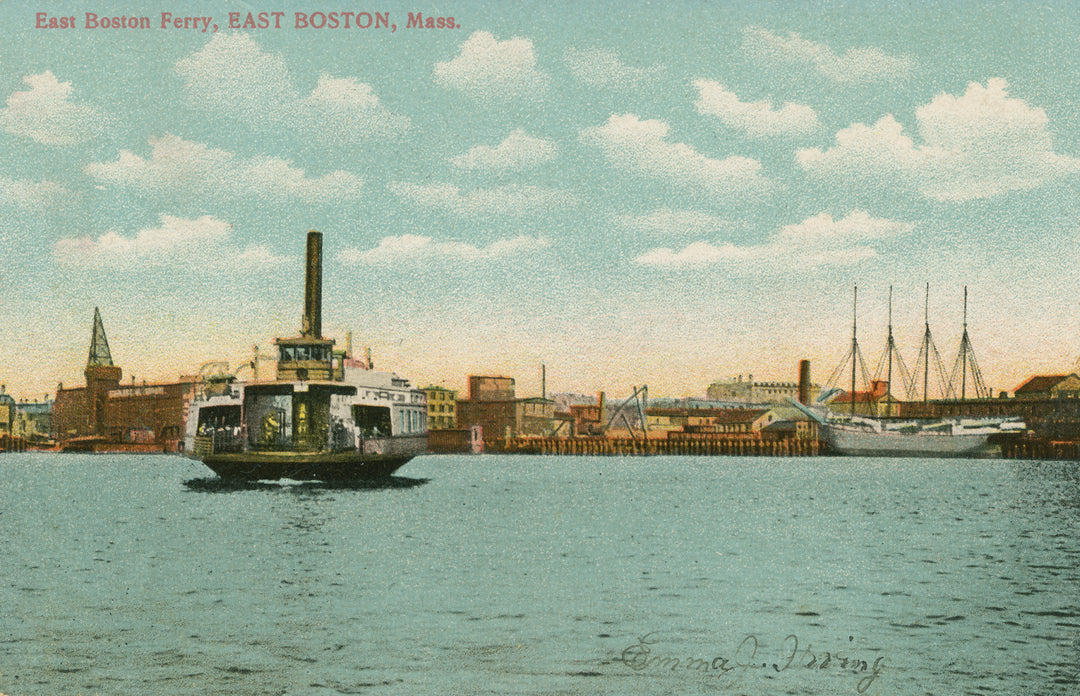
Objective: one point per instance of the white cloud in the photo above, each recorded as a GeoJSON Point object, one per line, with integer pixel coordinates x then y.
{"type": "Point", "coordinates": [757, 119]}
{"type": "Point", "coordinates": [638, 146]}
{"type": "Point", "coordinates": [347, 107]}
{"type": "Point", "coordinates": [670, 222]}
{"type": "Point", "coordinates": [45, 113]}
{"type": "Point", "coordinates": [600, 68]}
{"type": "Point", "coordinates": [823, 230]}
{"type": "Point", "coordinates": [175, 240]}
{"type": "Point", "coordinates": [977, 145]}
{"type": "Point", "coordinates": [518, 151]}
{"type": "Point", "coordinates": [511, 200]}
{"type": "Point", "coordinates": [856, 65]}
{"type": "Point", "coordinates": [177, 165]}
{"type": "Point", "coordinates": [27, 195]}
{"type": "Point", "coordinates": [875, 149]}
{"type": "Point", "coordinates": [260, 256]}
{"type": "Point", "coordinates": [491, 70]}
{"type": "Point", "coordinates": [234, 76]}
{"type": "Point", "coordinates": [817, 241]}
{"type": "Point", "coordinates": [411, 248]}
{"type": "Point", "coordinates": [696, 254]}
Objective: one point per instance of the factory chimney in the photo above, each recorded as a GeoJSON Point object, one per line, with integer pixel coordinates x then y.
{"type": "Point", "coordinates": [804, 382]}
{"type": "Point", "coordinates": [312, 324]}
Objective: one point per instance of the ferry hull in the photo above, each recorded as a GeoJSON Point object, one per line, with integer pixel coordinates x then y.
{"type": "Point", "coordinates": [248, 467]}
{"type": "Point", "coordinates": [316, 466]}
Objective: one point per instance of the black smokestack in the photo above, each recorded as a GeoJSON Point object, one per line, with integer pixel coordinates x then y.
{"type": "Point", "coordinates": [804, 381]}
{"type": "Point", "coordinates": [312, 325]}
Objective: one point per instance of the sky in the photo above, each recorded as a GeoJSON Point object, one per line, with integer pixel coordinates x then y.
{"type": "Point", "coordinates": [627, 193]}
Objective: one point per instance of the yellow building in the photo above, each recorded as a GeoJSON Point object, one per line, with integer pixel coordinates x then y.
{"type": "Point", "coordinates": [441, 407]}
{"type": "Point", "coordinates": [7, 411]}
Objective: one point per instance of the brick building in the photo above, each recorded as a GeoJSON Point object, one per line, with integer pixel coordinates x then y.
{"type": "Point", "coordinates": [493, 406]}
{"type": "Point", "coordinates": [107, 412]}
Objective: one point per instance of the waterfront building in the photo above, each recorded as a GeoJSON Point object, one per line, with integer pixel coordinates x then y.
{"type": "Point", "coordinates": [493, 405]}
{"type": "Point", "coordinates": [441, 408]}
{"type": "Point", "coordinates": [750, 392]}
{"type": "Point", "coordinates": [104, 412]}
{"type": "Point", "coordinates": [580, 414]}
{"type": "Point", "coordinates": [33, 420]}
{"type": "Point", "coordinates": [731, 421]}
{"type": "Point", "coordinates": [742, 421]}
{"type": "Point", "coordinates": [786, 423]}
{"type": "Point", "coordinates": [877, 402]}
{"type": "Point", "coordinates": [7, 411]}
{"type": "Point", "coordinates": [1048, 404]}
{"type": "Point", "coordinates": [80, 412]}
{"type": "Point", "coordinates": [490, 388]}
{"type": "Point", "coordinates": [586, 419]}
{"type": "Point", "coordinates": [1049, 387]}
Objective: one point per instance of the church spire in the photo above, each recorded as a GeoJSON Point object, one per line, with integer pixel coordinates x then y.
{"type": "Point", "coordinates": [99, 345]}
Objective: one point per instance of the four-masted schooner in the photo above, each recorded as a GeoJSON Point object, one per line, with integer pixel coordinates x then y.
{"type": "Point", "coordinates": [873, 434]}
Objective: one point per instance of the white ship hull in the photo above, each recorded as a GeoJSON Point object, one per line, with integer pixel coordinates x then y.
{"type": "Point", "coordinates": [870, 437]}
{"type": "Point", "coordinates": [862, 443]}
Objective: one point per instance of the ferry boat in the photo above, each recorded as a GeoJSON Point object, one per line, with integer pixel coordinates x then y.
{"type": "Point", "coordinates": [326, 416]}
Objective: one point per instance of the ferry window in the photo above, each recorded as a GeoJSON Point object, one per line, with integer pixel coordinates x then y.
{"type": "Point", "coordinates": [373, 421]}
{"type": "Point", "coordinates": [287, 354]}
{"type": "Point", "coordinates": [216, 418]}
{"type": "Point", "coordinates": [301, 352]}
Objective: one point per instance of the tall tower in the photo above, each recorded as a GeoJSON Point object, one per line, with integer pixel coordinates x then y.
{"type": "Point", "coordinates": [101, 376]}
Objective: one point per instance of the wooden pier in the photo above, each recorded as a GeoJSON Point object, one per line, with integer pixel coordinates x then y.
{"type": "Point", "coordinates": [623, 447]}
{"type": "Point", "coordinates": [1041, 448]}
{"type": "Point", "coordinates": [1013, 448]}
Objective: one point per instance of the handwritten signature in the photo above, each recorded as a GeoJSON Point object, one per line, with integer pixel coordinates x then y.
{"type": "Point", "coordinates": [642, 656]}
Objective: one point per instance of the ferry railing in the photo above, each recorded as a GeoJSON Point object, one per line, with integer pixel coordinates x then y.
{"type": "Point", "coordinates": [218, 441]}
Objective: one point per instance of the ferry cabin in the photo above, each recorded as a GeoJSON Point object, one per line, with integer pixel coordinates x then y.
{"type": "Point", "coordinates": [319, 402]}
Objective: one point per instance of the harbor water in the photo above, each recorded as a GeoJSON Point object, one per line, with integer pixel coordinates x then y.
{"type": "Point", "coordinates": [542, 575]}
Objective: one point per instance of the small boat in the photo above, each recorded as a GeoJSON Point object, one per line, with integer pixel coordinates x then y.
{"type": "Point", "coordinates": [326, 416]}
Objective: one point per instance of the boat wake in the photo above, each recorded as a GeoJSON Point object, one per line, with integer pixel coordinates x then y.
{"type": "Point", "coordinates": [212, 484]}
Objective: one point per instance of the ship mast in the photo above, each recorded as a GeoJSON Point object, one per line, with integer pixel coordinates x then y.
{"type": "Point", "coordinates": [927, 352]}
{"type": "Point", "coordinates": [927, 340]}
{"type": "Point", "coordinates": [890, 355]}
{"type": "Point", "coordinates": [964, 342]}
{"type": "Point", "coordinates": [888, 392]}
{"type": "Point", "coordinates": [965, 356]}
{"type": "Point", "coordinates": [858, 365]}
{"type": "Point", "coordinates": [854, 345]}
